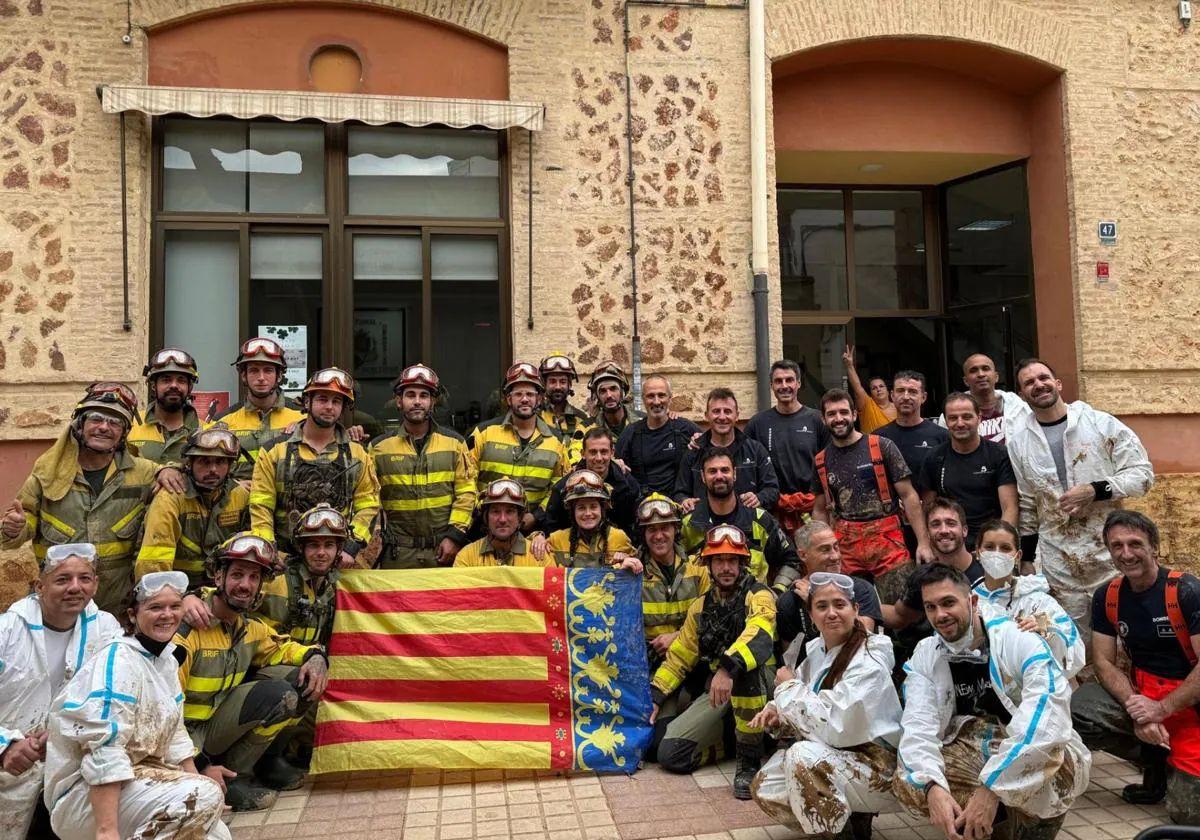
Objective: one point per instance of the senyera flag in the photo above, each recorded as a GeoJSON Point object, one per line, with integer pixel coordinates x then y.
{"type": "Point", "coordinates": [518, 668]}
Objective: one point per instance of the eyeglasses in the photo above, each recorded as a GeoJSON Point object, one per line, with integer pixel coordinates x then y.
{"type": "Point", "coordinates": [657, 508]}
{"type": "Point", "coordinates": [505, 490]}
{"type": "Point", "coordinates": [172, 355]}
{"type": "Point", "coordinates": [333, 376]}
{"type": "Point", "coordinates": [725, 534]}
{"type": "Point", "coordinates": [155, 582]}
{"type": "Point", "coordinates": [263, 346]}
{"type": "Point", "coordinates": [557, 364]}
{"type": "Point", "coordinates": [249, 546]}
{"type": "Point", "coordinates": [842, 582]}
{"type": "Point", "coordinates": [325, 517]}
{"type": "Point", "coordinates": [56, 554]}
{"type": "Point", "coordinates": [104, 419]}
{"type": "Point", "coordinates": [220, 439]}
{"type": "Point", "coordinates": [116, 389]}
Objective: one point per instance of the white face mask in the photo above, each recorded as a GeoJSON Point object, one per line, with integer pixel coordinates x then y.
{"type": "Point", "coordinates": [996, 564]}
{"type": "Point", "coordinates": [965, 644]}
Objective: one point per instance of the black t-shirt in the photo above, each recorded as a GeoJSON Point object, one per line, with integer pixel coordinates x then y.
{"type": "Point", "coordinates": [95, 478]}
{"type": "Point", "coordinates": [973, 480]}
{"type": "Point", "coordinates": [792, 441]}
{"type": "Point", "coordinates": [973, 693]}
{"type": "Point", "coordinates": [852, 481]}
{"type": "Point", "coordinates": [915, 442]}
{"type": "Point", "coordinates": [1145, 628]}
{"type": "Point", "coordinates": [653, 455]}
{"type": "Point", "coordinates": [912, 595]}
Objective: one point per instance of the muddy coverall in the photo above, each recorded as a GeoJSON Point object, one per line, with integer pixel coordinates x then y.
{"type": "Point", "coordinates": [1035, 763]}
{"type": "Point", "coordinates": [1097, 448]}
{"type": "Point", "coordinates": [737, 635]}
{"type": "Point", "coordinates": [121, 720]}
{"type": "Point", "coordinates": [426, 496]}
{"type": "Point", "coordinates": [183, 529]}
{"type": "Point", "coordinates": [852, 729]}
{"type": "Point", "coordinates": [1029, 595]}
{"type": "Point", "coordinates": [60, 507]}
{"type": "Point", "coordinates": [26, 694]}
{"type": "Point", "coordinates": [255, 429]}
{"type": "Point", "coordinates": [151, 441]}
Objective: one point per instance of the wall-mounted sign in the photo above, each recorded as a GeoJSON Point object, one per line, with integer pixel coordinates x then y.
{"type": "Point", "coordinates": [1108, 232]}
{"type": "Point", "coordinates": [293, 338]}
{"type": "Point", "coordinates": [1103, 277]}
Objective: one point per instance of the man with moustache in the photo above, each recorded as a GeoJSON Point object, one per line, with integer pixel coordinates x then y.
{"type": "Point", "coordinates": [757, 485]}
{"type": "Point", "coordinates": [1073, 465]}
{"type": "Point", "coordinates": [624, 489]}
{"type": "Point", "coordinates": [317, 462]}
{"type": "Point", "coordinates": [426, 480]}
{"type": "Point", "coordinates": [89, 486]}
{"type": "Point", "coordinates": [610, 390]}
{"type": "Point", "coordinates": [522, 446]}
{"type": "Point", "coordinates": [864, 479]}
{"type": "Point", "coordinates": [999, 411]}
{"type": "Point", "coordinates": [987, 721]}
{"type": "Point", "coordinates": [170, 418]}
{"type": "Point", "coordinates": [569, 423]}
{"type": "Point", "coordinates": [265, 413]}
{"type": "Point", "coordinates": [653, 447]}
{"type": "Point", "coordinates": [792, 434]}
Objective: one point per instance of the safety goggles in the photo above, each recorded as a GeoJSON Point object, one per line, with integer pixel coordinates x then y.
{"type": "Point", "coordinates": [155, 582]}
{"type": "Point", "coordinates": [333, 376]}
{"type": "Point", "coordinates": [104, 419]}
{"type": "Point", "coordinates": [586, 478]}
{"type": "Point", "coordinates": [657, 509]}
{"type": "Point", "coordinates": [222, 440]}
{"type": "Point", "coordinates": [418, 375]}
{"type": "Point", "coordinates": [249, 547]}
{"type": "Point", "coordinates": [723, 534]}
{"type": "Point", "coordinates": [558, 364]}
{"type": "Point", "coordinates": [119, 392]}
{"type": "Point", "coordinates": [262, 347]}
{"type": "Point", "coordinates": [523, 372]}
{"type": "Point", "coordinates": [325, 517]}
{"type": "Point", "coordinates": [842, 582]}
{"type": "Point", "coordinates": [505, 490]}
{"type": "Point", "coordinates": [56, 554]}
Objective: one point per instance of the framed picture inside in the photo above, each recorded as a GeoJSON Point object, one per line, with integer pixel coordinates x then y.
{"type": "Point", "coordinates": [378, 343]}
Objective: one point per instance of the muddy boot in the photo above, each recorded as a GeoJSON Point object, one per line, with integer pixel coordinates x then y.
{"type": "Point", "coordinates": [749, 759]}
{"type": "Point", "coordinates": [1154, 778]}
{"type": "Point", "coordinates": [246, 794]}
{"type": "Point", "coordinates": [275, 771]}
{"type": "Point", "coordinates": [1031, 828]}
{"type": "Point", "coordinates": [860, 826]}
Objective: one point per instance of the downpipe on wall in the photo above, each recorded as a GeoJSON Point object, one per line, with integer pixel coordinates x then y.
{"type": "Point", "coordinates": [758, 201]}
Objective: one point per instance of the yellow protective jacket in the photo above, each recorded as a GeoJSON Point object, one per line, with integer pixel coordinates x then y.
{"type": "Point", "coordinates": [588, 554]}
{"type": "Point", "coordinates": [293, 606]}
{"type": "Point", "coordinates": [668, 594]}
{"type": "Point", "coordinates": [277, 501]}
{"type": "Point", "coordinates": [481, 553]}
{"type": "Point", "coordinates": [60, 507]}
{"type": "Point", "coordinates": [752, 648]}
{"type": "Point", "coordinates": [537, 463]}
{"type": "Point", "coordinates": [151, 441]}
{"type": "Point", "coordinates": [570, 429]}
{"type": "Point", "coordinates": [255, 428]}
{"type": "Point", "coordinates": [217, 658]}
{"type": "Point", "coordinates": [183, 529]}
{"type": "Point", "coordinates": [428, 495]}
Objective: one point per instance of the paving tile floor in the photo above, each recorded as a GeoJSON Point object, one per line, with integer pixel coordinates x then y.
{"type": "Point", "coordinates": [523, 805]}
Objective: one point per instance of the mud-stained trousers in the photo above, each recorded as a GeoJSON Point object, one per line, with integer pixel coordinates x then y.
{"type": "Point", "coordinates": [964, 758]}
{"type": "Point", "coordinates": [1103, 724]}
{"type": "Point", "coordinates": [815, 788]}
{"type": "Point", "coordinates": [694, 738]}
{"type": "Point", "coordinates": [258, 711]}
{"type": "Point", "coordinates": [158, 803]}
{"type": "Point", "coordinates": [18, 799]}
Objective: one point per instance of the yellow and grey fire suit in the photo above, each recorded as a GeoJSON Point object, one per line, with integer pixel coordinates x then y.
{"type": "Point", "coordinates": [426, 495]}
{"type": "Point", "coordinates": [570, 429]}
{"type": "Point", "coordinates": [255, 428]}
{"type": "Point", "coordinates": [668, 593]}
{"type": "Point", "coordinates": [499, 452]}
{"type": "Point", "coordinates": [154, 443]}
{"type": "Point", "coordinates": [293, 606]}
{"type": "Point", "coordinates": [182, 529]}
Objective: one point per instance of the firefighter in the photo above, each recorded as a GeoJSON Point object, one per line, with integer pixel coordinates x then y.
{"type": "Point", "coordinates": [266, 412]}
{"type": "Point", "coordinates": [501, 505]}
{"type": "Point", "coordinates": [170, 419]}
{"type": "Point", "coordinates": [426, 480]}
{"type": "Point", "coordinates": [590, 541]}
{"type": "Point", "coordinates": [522, 446]}
{"type": "Point", "coordinates": [245, 686]}
{"type": "Point", "coordinates": [559, 375]}
{"type": "Point", "coordinates": [317, 462]}
{"type": "Point", "coordinates": [183, 529]}
{"type": "Point", "coordinates": [730, 632]}
{"type": "Point", "coordinates": [88, 487]}
{"type": "Point", "coordinates": [610, 391]}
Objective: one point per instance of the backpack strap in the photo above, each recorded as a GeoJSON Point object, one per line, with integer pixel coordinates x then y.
{"type": "Point", "coordinates": [881, 477]}
{"type": "Point", "coordinates": [1175, 614]}
{"type": "Point", "coordinates": [823, 474]}
{"type": "Point", "coordinates": [1111, 598]}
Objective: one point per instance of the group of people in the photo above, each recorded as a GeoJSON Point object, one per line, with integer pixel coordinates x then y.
{"type": "Point", "coordinates": [173, 651]}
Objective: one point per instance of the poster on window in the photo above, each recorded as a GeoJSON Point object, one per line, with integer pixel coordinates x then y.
{"type": "Point", "coordinates": [378, 343]}
{"type": "Point", "coordinates": [293, 338]}
{"type": "Point", "coordinates": [209, 404]}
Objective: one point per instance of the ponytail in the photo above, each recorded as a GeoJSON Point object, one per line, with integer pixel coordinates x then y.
{"type": "Point", "coordinates": [857, 638]}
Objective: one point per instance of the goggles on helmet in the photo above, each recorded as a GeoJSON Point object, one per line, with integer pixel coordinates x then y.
{"type": "Point", "coordinates": [58, 554]}
{"type": "Point", "coordinates": [842, 582]}
{"type": "Point", "coordinates": [323, 520]}
{"type": "Point", "coordinates": [172, 360]}
{"type": "Point", "coordinates": [333, 376]}
{"type": "Point", "coordinates": [725, 539]}
{"type": "Point", "coordinates": [522, 373]}
{"type": "Point", "coordinates": [214, 442]}
{"type": "Point", "coordinates": [608, 370]}
{"type": "Point", "coordinates": [504, 491]}
{"type": "Point", "coordinates": [121, 393]}
{"type": "Point", "coordinates": [247, 546]}
{"type": "Point", "coordinates": [417, 376]}
{"type": "Point", "coordinates": [155, 582]}
{"type": "Point", "coordinates": [558, 364]}
{"type": "Point", "coordinates": [657, 510]}
{"type": "Point", "coordinates": [261, 350]}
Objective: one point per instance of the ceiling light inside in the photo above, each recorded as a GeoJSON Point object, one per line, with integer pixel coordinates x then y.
{"type": "Point", "coordinates": [987, 224]}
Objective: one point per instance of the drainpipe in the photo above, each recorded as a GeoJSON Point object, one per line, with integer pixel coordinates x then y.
{"type": "Point", "coordinates": [758, 200]}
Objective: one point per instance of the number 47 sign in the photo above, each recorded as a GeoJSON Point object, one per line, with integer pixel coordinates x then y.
{"type": "Point", "coordinates": [1108, 232]}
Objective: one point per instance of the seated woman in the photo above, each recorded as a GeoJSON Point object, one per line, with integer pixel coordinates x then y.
{"type": "Point", "coordinates": [845, 715]}
{"type": "Point", "coordinates": [1026, 599]}
{"type": "Point", "coordinates": [119, 760]}
{"type": "Point", "coordinates": [591, 542]}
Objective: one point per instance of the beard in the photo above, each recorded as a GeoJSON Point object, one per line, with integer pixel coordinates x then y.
{"type": "Point", "coordinates": [172, 401]}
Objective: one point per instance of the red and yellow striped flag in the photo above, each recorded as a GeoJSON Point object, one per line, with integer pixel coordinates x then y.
{"type": "Point", "coordinates": [485, 668]}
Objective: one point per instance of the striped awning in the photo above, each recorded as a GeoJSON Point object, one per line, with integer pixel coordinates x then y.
{"type": "Point", "coordinates": [326, 107]}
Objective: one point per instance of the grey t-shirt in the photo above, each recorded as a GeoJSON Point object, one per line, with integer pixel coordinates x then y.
{"type": "Point", "coordinates": [1054, 436]}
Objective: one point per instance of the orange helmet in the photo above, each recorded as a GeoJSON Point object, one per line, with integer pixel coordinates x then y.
{"type": "Point", "coordinates": [417, 376]}
{"type": "Point", "coordinates": [332, 380]}
{"type": "Point", "coordinates": [522, 373]}
{"type": "Point", "coordinates": [725, 539]}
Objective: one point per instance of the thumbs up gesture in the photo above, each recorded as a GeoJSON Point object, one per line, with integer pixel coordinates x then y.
{"type": "Point", "coordinates": [14, 519]}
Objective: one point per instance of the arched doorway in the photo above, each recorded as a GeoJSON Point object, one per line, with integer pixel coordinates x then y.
{"type": "Point", "coordinates": [922, 209]}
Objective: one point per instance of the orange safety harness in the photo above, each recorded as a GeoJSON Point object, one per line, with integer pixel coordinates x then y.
{"type": "Point", "coordinates": [1174, 613]}
{"type": "Point", "coordinates": [881, 478]}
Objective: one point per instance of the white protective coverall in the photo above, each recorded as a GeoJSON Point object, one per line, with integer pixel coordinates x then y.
{"type": "Point", "coordinates": [1029, 596]}
{"type": "Point", "coordinates": [852, 728]}
{"type": "Point", "coordinates": [1015, 412]}
{"type": "Point", "coordinates": [1071, 553]}
{"type": "Point", "coordinates": [26, 694]}
{"type": "Point", "coordinates": [1036, 764]}
{"type": "Point", "coordinates": [121, 720]}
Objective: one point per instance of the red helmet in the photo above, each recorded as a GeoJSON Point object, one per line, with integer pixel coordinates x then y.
{"type": "Point", "coordinates": [417, 376]}
{"type": "Point", "coordinates": [522, 373]}
{"type": "Point", "coordinates": [260, 349]}
{"type": "Point", "coordinates": [247, 547]}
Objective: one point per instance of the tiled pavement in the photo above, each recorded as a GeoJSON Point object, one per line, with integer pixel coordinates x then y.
{"type": "Point", "coordinates": [419, 805]}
